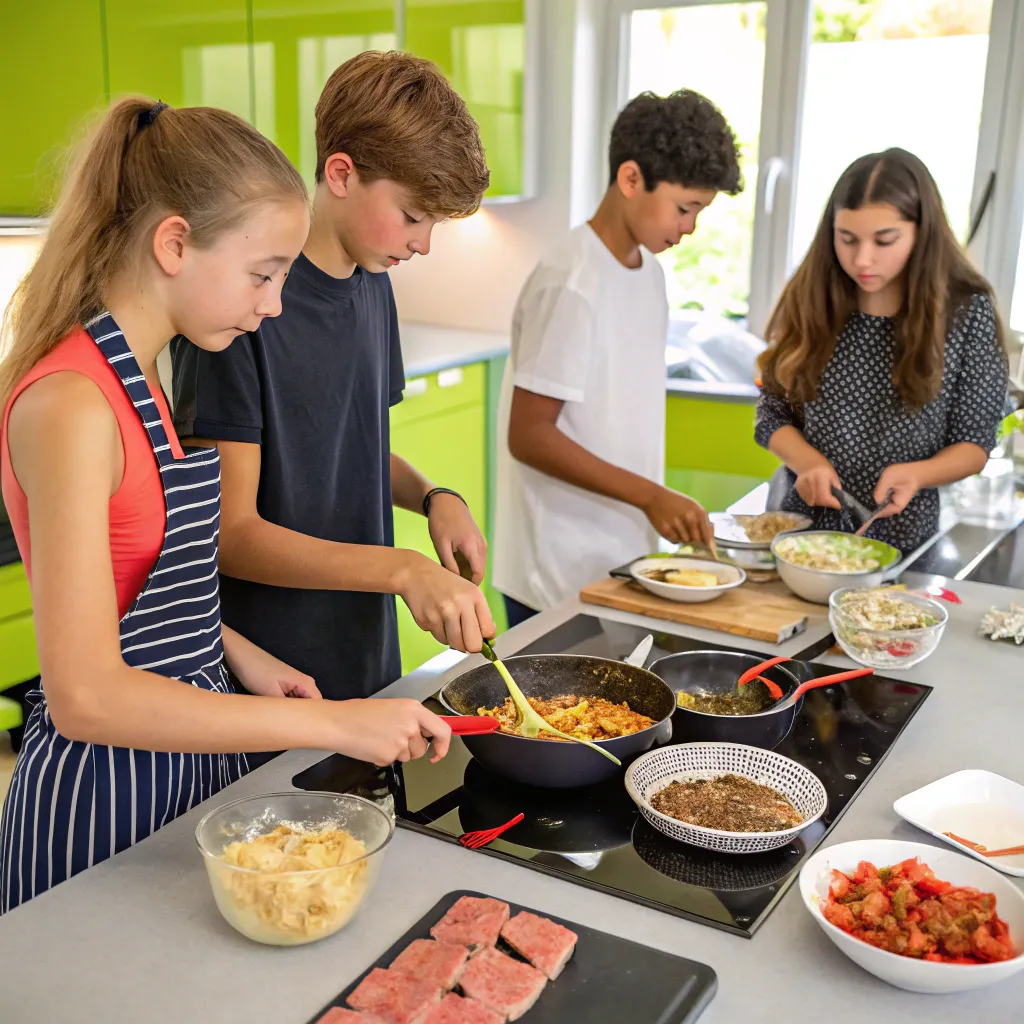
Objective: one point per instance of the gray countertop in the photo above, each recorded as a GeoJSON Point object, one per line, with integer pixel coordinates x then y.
{"type": "Point", "coordinates": [138, 938]}
{"type": "Point", "coordinates": [712, 391]}
{"type": "Point", "coordinates": [429, 348]}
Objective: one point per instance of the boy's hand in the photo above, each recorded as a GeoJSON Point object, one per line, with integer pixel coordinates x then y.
{"type": "Point", "coordinates": [453, 610]}
{"type": "Point", "coordinates": [678, 518]}
{"type": "Point", "coordinates": [452, 529]}
{"type": "Point", "coordinates": [263, 674]}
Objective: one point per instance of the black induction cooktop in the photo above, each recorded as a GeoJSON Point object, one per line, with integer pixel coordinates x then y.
{"type": "Point", "coordinates": [596, 837]}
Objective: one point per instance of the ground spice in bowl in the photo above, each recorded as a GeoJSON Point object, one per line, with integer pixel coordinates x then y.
{"type": "Point", "coordinates": [728, 803]}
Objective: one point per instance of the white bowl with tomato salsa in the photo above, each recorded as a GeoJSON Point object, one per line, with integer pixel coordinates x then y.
{"type": "Point", "coordinates": [926, 965]}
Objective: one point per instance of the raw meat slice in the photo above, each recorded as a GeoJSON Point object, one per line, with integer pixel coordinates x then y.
{"type": "Point", "coordinates": [396, 998]}
{"type": "Point", "coordinates": [340, 1015]}
{"type": "Point", "coordinates": [473, 921]}
{"type": "Point", "coordinates": [503, 984]}
{"type": "Point", "coordinates": [545, 944]}
{"type": "Point", "coordinates": [433, 961]}
{"type": "Point", "coordinates": [455, 1009]}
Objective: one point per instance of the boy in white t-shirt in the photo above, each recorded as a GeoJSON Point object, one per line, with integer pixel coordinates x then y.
{"type": "Point", "coordinates": [581, 458]}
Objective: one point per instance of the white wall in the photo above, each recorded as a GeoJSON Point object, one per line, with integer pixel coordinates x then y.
{"type": "Point", "coordinates": [476, 266]}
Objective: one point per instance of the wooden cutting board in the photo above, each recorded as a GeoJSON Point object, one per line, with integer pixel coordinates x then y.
{"type": "Point", "coordinates": [761, 611]}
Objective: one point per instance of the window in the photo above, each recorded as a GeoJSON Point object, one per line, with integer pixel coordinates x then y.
{"type": "Point", "coordinates": [810, 85]}
{"type": "Point", "coordinates": [711, 269]}
{"type": "Point", "coordinates": [894, 73]}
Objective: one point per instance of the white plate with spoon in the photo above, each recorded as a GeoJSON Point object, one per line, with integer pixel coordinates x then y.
{"type": "Point", "coordinates": [981, 807]}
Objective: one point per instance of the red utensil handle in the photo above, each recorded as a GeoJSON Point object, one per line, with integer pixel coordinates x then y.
{"type": "Point", "coordinates": [508, 824]}
{"type": "Point", "coordinates": [471, 725]}
{"type": "Point", "coordinates": [838, 677]}
{"type": "Point", "coordinates": [752, 673]}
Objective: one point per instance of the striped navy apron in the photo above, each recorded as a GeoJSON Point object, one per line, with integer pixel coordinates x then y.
{"type": "Point", "coordinates": [73, 804]}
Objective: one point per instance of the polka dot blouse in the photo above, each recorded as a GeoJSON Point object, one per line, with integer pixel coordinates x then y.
{"type": "Point", "coordinates": [860, 424]}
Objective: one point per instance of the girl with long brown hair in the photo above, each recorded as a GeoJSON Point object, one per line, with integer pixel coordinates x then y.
{"type": "Point", "coordinates": [172, 222]}
{"type": "Point", "coordinates": [885, 372]}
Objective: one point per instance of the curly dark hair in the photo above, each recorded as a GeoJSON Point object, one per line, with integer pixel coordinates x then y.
{"type": "Point", "coordinates": [682, 139]}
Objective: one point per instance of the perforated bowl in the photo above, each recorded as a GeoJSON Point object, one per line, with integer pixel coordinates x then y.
{"type": "Point", "coordinates": [688, 762]}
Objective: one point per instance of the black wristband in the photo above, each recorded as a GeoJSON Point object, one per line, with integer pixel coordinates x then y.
{"type": "Point", "coordinates": [441, 490]}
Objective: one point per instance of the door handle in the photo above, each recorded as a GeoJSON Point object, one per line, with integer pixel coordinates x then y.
{"type": "Point", "coordinates": [772, 172]}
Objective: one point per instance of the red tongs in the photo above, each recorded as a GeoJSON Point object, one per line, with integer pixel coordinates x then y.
{"type": "Point", "coordinates": [811, 684]}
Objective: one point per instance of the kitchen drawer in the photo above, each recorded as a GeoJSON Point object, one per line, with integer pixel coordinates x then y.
{"type": "Point", "coordinates": [442, 392]}
{"type": "Point", "coordinates": [715, 437]}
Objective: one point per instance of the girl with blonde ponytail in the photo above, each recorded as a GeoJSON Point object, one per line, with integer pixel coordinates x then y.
{"type": "Point", "coordinates": [171, 222]}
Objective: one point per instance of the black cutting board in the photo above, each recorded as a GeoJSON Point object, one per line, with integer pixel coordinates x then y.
{"type": "Point", "coordinates": [608, 980]}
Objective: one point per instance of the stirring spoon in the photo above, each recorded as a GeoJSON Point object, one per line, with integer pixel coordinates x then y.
{"type": "Point", "coordinates": [528, 722]}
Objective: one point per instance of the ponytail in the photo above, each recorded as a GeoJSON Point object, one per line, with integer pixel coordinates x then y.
{"type": "Point", "coordinates": [144, 162]}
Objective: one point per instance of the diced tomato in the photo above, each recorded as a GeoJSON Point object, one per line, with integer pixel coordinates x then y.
{"type": "Point", "coordinates": [916, 942]}
{"type": "Point", "coordinates": [875, 906]}
{"type": "Point", "coordinates": [906, 910]}
{"type": "Point", "coordinates": [901, 648]}
{"type": "Point", "coordinates": [840, 886]}
{"type": "Point", "coordinates": [841, 916]}
{"type": "Point", "coordinates": [987, 947]}
{"type": "Point", "coordinates": [933, 886]}
{"type": "Point", "coordinates": [865, 870]}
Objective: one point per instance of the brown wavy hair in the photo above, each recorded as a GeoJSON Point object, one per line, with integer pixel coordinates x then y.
{"type": "Point", "coordinates": [819, 299]}
{"type": "Point", "coordinates": [398, 118]}
{"type": "Point", "coordinates": [140, 164]}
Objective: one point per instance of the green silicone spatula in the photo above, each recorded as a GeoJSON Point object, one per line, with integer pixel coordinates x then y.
{"type": "Point", "coordinates": [528, 722]}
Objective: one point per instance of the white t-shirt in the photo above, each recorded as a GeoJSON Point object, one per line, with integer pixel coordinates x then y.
{"type": "Point", "coordinates": [591, 332]}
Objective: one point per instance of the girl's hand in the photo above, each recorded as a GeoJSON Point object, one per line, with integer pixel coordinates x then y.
{"type": "Point", "coordinates": [904, 481]}
{"type": "Point", "coordinates": [452, 530]}
{"type": "Point", "coordinates": [384, 731]}
{"type": "Point", "coordinates": [263, 674]}
{"type": "Point", "coordinates": [815, 484]}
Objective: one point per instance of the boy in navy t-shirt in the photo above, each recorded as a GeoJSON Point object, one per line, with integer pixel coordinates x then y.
{"type": "Point", "coordinates": [299, 409]}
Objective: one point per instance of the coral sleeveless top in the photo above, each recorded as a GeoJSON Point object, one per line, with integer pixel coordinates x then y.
{"type": "Point", "coordinates": [138, 514]}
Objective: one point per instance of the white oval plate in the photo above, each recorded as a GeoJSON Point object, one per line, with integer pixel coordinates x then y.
{"type": "Point", "coordinates": [729, 576]}
{"type": "Point", "coordinates": [978, 805]}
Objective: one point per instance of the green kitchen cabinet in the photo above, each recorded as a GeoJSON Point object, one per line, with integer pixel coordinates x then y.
{"type": "Point", "coordinates": [701, 437]}
{"type": "Point", "coordinates": [51, 79]}
{"type": "Point", "coordinates": [440, 428]}
{"type": "Point", "coordinates": [184, 52]}
{"type": "Point", "coordinates": [481, 46]}
{"type": "Point", "coordinates": [296, 46]}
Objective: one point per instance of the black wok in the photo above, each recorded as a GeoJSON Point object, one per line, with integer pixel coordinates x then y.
{"type": "Point", "coordinates": [718, 672]}
{"type": "Point", "coordinates": [559, 764]}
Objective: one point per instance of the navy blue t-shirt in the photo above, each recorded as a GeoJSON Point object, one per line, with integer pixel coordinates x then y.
{"type": "Point", "coordinates": [313, 388]}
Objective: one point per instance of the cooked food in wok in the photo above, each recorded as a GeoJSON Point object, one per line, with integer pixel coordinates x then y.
{"type": "Point", "coordinates": [586, 718]}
